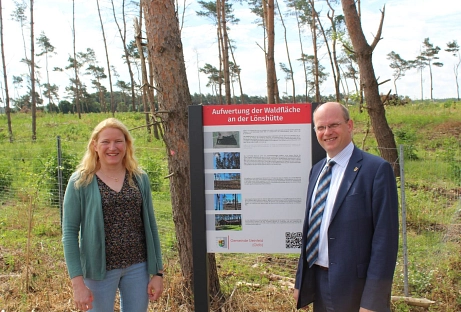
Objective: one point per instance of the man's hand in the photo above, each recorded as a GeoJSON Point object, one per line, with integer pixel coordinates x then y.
{"type": "Point", "coordinates": [296, 294]}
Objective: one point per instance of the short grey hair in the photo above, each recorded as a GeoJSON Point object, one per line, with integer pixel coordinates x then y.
{"type": "Point", "coordinates": [346, 114]}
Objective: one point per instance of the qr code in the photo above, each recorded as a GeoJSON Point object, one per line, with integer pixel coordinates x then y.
{"type": "Point", "coordinates": [293, 239]}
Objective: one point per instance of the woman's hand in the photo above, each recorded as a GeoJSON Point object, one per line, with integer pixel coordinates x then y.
{"type": "Point", "coordinates": [155, 287]}
{"type": "Point", "coordinates": [83, 297]}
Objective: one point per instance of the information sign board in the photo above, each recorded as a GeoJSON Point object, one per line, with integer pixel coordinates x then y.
{"type": "Point", "coordinates": [256, 164]}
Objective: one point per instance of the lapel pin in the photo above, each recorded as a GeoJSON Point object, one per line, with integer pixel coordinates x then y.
{"type": "Point", "coordinates": [355, 169]}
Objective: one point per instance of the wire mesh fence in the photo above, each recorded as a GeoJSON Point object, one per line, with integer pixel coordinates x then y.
{"type": "Point", "coordinates": [429, 186]}
{"type": "Point", "coordinates": [38, 173]}
{"type": "Point", "coordinates": [43, 161]}
{"type": "Point", "coordinates": [430, 211]}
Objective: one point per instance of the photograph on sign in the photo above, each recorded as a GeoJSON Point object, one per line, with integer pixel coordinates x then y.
{"type": "Point", "coordinates": [224, 201]}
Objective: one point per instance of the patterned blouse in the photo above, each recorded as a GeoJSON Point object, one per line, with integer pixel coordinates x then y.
{"type": "Point", "coordinates": [123, 225]}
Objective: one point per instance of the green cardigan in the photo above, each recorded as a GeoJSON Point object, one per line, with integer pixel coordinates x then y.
{"type": "Point", "coordinates": [83, 213]}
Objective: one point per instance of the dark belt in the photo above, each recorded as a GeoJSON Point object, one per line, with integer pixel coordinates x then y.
{"type": "Point", "coordinates": [321, 267]}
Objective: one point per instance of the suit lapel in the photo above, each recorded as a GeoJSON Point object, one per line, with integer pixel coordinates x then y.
{"type": "Point", "coordinates": [353, 168]}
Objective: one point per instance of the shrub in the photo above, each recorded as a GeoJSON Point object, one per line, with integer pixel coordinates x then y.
{"type": "Point", "coordinates": [408, 139]}
{"type": "Point", "coordinates": [155, 170]}
{"type": "Point", "coordinates": [6, 179]}
{"type": "Point", "coordinates": [68, 164]}
{"type": "Point", "coordinates": [450, 154]}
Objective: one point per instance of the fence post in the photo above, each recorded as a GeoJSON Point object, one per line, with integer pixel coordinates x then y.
{"type": "Point", "coordinates": [60, 186]}
{"type": "Point", "coordinates": [404, 220]}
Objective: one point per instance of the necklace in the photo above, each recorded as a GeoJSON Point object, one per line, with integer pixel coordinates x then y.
{"type": "Point", "coordinates": [108, 176]}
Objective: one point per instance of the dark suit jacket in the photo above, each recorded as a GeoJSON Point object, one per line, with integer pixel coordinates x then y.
{"type": "Point", "coordinates": [362, 237]}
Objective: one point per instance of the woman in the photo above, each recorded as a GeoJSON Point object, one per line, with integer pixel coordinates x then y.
{"type": "Point", "coordinates": [108, 202]}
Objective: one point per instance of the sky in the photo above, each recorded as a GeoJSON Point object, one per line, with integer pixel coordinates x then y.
{"type": "Point", "coordinates": [406, 24]}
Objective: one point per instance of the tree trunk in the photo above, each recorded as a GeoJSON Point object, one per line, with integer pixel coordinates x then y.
{"type": "Point", "coordinates": [333, 54]}
{"type": "Point", "coordinates": [77, 93]}
{"type": "Point", "coordinates": [150, 90]}
{"type": "Point", "coordinates": [102, 99]}
{"type": "Point", "coordinates": [48, 94]}
{"type": "Point", "coordinates": [268, 6]}
{"type": "Point", "coordinates": [276, 87]}
{"type": "Point", "coordinates": [126, 54]}
{"type": "Point", "coordinates": [145, 85]}
{"type": "Point", "coordinates": [7, 99]}
{"type": "Point", "coordinates": [293, 100]}
{"type": "Point", "coordinates": [153, 106]}
{"type": "Point", "coordinates": [298, 24]}
{"type": "Point", "coordinates": [128, 61]}
{"type": "Point", "coordinates": [150, 82]}
{"type": "Point", "coordinates": [421, 83]}
{"type": "Point", "coordinates": [364, 52]}
{"type": "Point", "coordinates": [32, 73]}
{"type": "Point", "coordinates": [112, 106]}
{"type": "Point", "coordinates": [238, 73]}
{"type": "Point", "coordinates": [430, 76]}
{"type": "Point", "coordinates": [225, 51]}
{"type": "Point", "coordinates": [220, 49]}
{"type": "Point", "coordinates": [164, 42]}
{"type": "Point", "coordinates": [147, 96]}
{"type": "Point", "coordinates": [316, 59]}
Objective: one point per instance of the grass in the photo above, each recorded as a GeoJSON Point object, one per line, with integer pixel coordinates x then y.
{"type": "Point", "coordinates": [431, 134]}
{"type": "Point", "coordinates": [32, 269]}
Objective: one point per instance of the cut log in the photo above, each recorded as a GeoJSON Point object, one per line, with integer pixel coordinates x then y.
{"type": "Point", "coordinates": [418, 302]}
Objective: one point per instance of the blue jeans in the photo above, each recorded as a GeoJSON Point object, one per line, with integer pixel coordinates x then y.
{"type": "Point", "coordinates": [132, 283]}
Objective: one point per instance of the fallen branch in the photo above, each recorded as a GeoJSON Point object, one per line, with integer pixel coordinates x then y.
{"type": "Point", "coordinates": [275, 277]}
{"type": "Point", "coordinates": [418, 302]}
{"type": "Point", "coordinates": [10, 275]}
{"type": "Point", "coordinates": [248, 284]}
{"type": "Point", "coordinates": [287, 282]}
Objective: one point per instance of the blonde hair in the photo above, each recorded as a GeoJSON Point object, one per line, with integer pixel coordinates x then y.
{"type": "Point", "coordinates": [90, 161]}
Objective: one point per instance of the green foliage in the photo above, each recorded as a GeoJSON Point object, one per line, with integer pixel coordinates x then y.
{"type": "Point", "coordinates": [9, 263]}
{"type": "Point", "coordinates": [456, 172]}
{"type": "Point", "coordinates": [3, 135]}
{"type": "Point", "coordinates": [154, 167]}
{"type": "Point", "coordinates": [401, 306]}
{"type": "Point", "coordinates": [47, 230]}
{"type": "Point", "coordinates": [407, 137]}
{"type": "Point", "coordinates": [69, 162]}
{"type": "Point", "coordinates": [420, 280]}
{"type": "Point", "coordinates": [451, 155]}
{"type": "Point", "coordinates": [449, 104]}
{"type": "Point", "coordinates": [354, 97]}
{"type": "Point", "coordinates": [6, 179]}
{"type": "Point", "coordinates": [432, 200]}
{"type": "Point", "coordinates": [164, 217]}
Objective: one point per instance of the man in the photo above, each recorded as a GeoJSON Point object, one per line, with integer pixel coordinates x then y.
{"type": "Point", "coordinates": [348, 266]}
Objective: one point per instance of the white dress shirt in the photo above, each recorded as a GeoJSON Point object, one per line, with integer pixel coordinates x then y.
{"type": "Point", "coordinates": [337, 173]}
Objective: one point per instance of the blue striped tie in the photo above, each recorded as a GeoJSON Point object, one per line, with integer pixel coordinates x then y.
{"type": "Point", "coordinates": [312, 246]}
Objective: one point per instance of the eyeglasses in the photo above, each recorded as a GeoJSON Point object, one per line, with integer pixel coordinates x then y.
{"type": "Point", "coordinates": [330, 126]}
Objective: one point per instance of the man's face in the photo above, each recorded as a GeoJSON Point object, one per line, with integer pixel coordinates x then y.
{"type": "Point", "coordinates": [333, 132]}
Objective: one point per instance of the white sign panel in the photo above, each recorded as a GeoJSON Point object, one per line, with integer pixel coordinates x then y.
{"type": "Point", "coordinates": [257, 160]}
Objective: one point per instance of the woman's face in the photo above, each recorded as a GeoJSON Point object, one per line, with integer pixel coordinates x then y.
{"type": "Point", "coordinates": [111, 147]}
